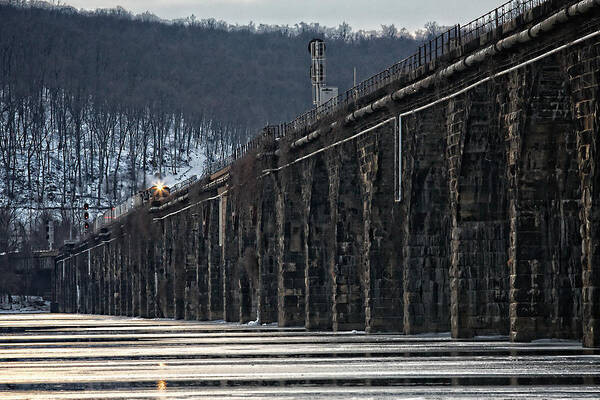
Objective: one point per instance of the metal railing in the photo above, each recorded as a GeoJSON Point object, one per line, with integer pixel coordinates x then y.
{"type": "Point", "coordinates": [183, 184]}
{"type": "Point", "coordinates": [501, 15]}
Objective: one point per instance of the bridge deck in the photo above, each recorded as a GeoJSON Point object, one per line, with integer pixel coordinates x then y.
{"type": "Point", "coordinates": [74, 356]}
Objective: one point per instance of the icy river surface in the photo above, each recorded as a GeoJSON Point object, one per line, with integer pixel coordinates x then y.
{"type": "Point", "coordinates": [61, 356]}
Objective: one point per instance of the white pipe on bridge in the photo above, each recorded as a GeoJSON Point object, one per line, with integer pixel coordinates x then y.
{"type": "Point", "coordinates": [504, 44]}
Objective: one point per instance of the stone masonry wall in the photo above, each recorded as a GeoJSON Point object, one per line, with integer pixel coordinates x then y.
{"type": "Point", "coordinates": [496, 231]}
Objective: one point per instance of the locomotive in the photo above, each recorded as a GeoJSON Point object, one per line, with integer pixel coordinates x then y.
{"type": "Point", "coordinates": [158, 193]}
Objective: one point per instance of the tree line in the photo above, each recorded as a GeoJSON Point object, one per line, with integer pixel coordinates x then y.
{"type": "Point", "coordinates": [91, 103]}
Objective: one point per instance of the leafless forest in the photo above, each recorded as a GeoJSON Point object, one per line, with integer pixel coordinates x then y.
{"type": "Point", "coordinates": [92, 105]}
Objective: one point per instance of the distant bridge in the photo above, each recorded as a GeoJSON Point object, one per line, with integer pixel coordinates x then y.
{"type": "Point", "coordinates": [456, 191]}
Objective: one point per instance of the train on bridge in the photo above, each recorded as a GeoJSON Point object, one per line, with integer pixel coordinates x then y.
{"type": "Point", "coordinates": [154, 197]}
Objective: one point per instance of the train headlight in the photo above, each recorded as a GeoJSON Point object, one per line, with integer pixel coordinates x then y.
{"type": "Point", "coordinates": [158, 187]}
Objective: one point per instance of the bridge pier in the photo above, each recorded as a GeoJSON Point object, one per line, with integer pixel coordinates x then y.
{"type": "Point", "coordinates": [247, 264]}
{"type": "Point", "coordinates": [203, 215]}
{"type": "Point", "coordinates": [381, 236]}
{"type": "Point", "coordinates": [140, 252]}
{"type": "Point", "coordinates": [215, 275]}
{"type": "Point", "coordinates": [171, 262]}
{"type": "Point", "coordinates": [109, 282]}
{"type": "Point", "coordinates": [191, 292]}
{"type": "Point", "coordinates": [92, 283]}
{"type": "Point", "coordinates": [231, 256]}
{"type": "Point", "coordinates": [347, 222]}
{"type": "Point", "coordinates": [123, 276]}
{"type": "Point", "coordinates": [107, 293]}
{"type": "Point", "coordinates": [291, 261]}
{"type": "Point", "coordinates": [582, 67]}
{"type": "Point", "coordinates": [478, 238]}
{"type": "Point", "coordinates": [151, 277]}
{"type": "Point", "coordinates": [117, 278]}
{"type": "Point", "coordinates": [317, 230]}
{"type": "Point", "coordinates": [544, 243]}
{"type": "Point", "coordinates": [425, 202]}
{"type": "Point", "coordinates": [181, 234]}
{"type": "Point", "coordinates": [134, 268]}
{"type": "Point", "coordinates": [128, 278]}
{"type": "Point", "coordinates": [267, 246]}
{"type": "Point", "coordinates": [118, 283]}
{"type": "Point", "coordinates": [159, 271]}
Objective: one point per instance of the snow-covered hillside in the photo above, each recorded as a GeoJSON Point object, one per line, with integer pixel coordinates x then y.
{"type": "Point", "coordinates": [53, 160]}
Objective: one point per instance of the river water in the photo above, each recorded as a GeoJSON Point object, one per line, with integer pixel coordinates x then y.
{"type": "Point", "coordinates": [63, 356]}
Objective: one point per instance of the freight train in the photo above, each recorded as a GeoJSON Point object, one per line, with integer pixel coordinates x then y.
{"type": "Point", "coordinates": [154, 197]}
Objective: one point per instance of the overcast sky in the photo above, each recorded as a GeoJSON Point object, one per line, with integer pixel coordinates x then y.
{"type": "Point", "coordinates": [360, 14]}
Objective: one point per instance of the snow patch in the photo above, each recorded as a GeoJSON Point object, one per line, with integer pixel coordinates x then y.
{"type": "Point", "coordinates": [196, 165]}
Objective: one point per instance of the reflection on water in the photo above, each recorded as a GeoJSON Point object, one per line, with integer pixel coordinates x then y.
{"type": "Point", "coordinates": [161, 385]}
{"type": "Point", "coordinates": [64, 359]}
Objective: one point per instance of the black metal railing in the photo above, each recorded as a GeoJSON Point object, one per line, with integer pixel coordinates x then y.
{"type": "Point", "coordinates": [507, 12]}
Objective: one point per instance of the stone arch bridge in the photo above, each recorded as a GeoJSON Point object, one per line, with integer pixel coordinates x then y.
{"type": "Point", "coordinates": [457, 191]}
